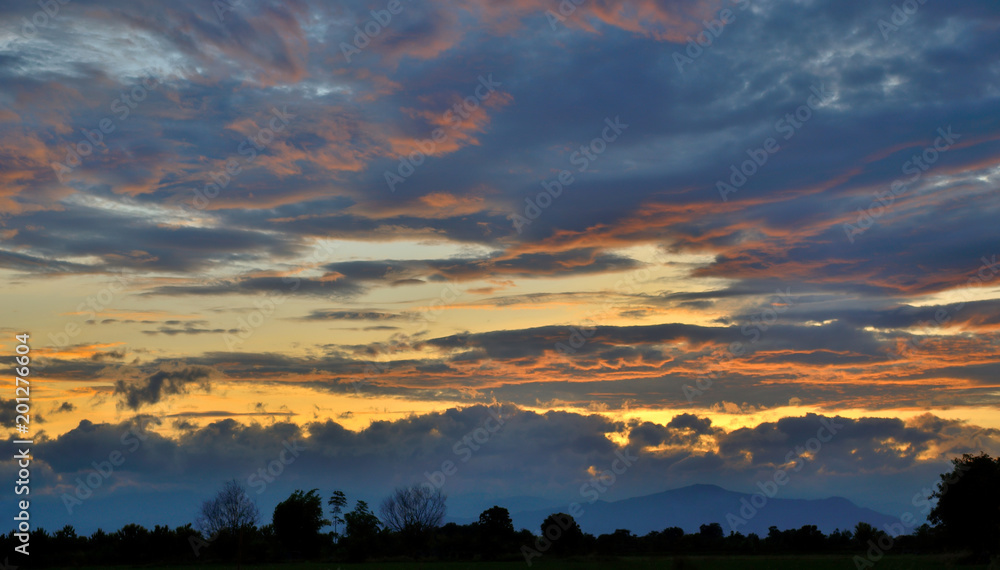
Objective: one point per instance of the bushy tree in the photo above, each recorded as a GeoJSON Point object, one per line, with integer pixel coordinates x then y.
{"type": "Point", "coordinates": [619, 543]}
{"type": "Point", "coordinates": [968, 504]}
{"type": "Point", "coordinates": [711, 531]}
{"type": "Point", "coordinates": [564, 533]}
{"type": "Point", "coordinates": [496, 532]}
{"type": "Point", "coordinates": [865, 535]}
{"type": "Point", "coordinates": [808, 538]}
{"type": "Point", "coordinates": [297, 521]}
{"type": "Point", "coordinates": [361, 528]}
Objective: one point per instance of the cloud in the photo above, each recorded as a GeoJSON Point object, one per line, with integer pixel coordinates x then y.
{"type": "Point", "coordinates": [324, 315]}
{"type": "Point", "coordinates": [531, 454]}
{"type": "Point", "coordinates": [167, 381]}
{"type": "Point", "coordinates": [9, 415]}
{"type": "Point", "coordinates": [276, 286]}
{"type": "Point", "coordinates": [547, 315]}
{"type": "Point", "coordinates": [197, 327]}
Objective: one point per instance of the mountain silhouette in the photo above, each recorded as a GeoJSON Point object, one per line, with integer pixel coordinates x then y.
{"type": "Point", "coordinates": [695, 505]}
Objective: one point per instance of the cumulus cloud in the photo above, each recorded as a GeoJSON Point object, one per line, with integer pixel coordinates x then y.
{"type": "Point", "coordinates": [528, 454]}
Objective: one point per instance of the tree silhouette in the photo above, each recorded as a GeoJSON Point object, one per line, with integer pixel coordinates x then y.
{"type": "Point", "coordinates": [564, 533]}
{"type": "Point", "coordinates": [967, 513]}
{"type": "Point", "coordinates": [496, 532]}
{"type": "Point", "coordinates": [297, 521]}
{"type": "Point", "coordinates": [361, 527]}
{"type": "Point", "coordinates": [230, 510]}
{"type": "Point", "coordinates": [496, 520]}
{"type": "Point", "coordinates": [361, 522]}
{"type": "Point", "coordinates": [619, 543]}
{"type": "Point", "coordinates": [865, 535]}
{"type": "Point", "coordinates": [711, 531]}
{"type": "Point", "coordinates": [225, 518]}
{"type": "Point", "coordinates": [413, 512]}
{"type": "Point", "coordinates": [968, 507]}
{"type": "Point", "coordinates": [337, 503]}
{"type": "Point", "coordinates": [413, 509]}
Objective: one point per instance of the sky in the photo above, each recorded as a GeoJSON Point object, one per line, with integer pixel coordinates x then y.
{"type": "Point", "coordinates": [350, 243]}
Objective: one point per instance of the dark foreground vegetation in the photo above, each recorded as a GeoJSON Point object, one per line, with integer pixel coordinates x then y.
{"type": "Point", "coordinates": [695, 562]}
{"type": "Point", "coordinates": [966, 529]}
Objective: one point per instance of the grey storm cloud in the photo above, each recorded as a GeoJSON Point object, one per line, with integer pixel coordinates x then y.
{"type": "Point", "coordinates": [167, 381]}
{"type": "Point", "coordinates": [9, 415]}
{"type": "Point", "coordinates": [531, 454]}
{"type": "Point", "coordinates": [691, 422]}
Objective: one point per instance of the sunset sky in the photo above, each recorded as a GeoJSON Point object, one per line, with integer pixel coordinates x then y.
{"type": "Point", "coordinates": [243, 224]}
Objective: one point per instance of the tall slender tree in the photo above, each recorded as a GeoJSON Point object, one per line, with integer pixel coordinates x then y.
{"type": "Point", "coordinates": [337, 503]}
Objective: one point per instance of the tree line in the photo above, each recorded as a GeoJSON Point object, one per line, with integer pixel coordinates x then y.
{"type": "Point", "coordinates": [409, 526]}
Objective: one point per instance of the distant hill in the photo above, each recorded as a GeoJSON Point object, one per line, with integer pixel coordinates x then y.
{"type": "Point", "coordinates": [690, 507]}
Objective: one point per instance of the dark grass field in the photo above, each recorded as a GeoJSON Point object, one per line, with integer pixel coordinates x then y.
{"type": "Point", "coordinates": [667, 563]}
